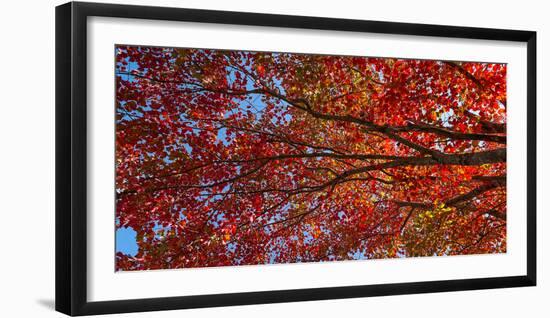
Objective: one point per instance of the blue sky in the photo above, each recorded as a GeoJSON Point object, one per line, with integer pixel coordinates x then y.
{"type": "Point", "coordinates": [126, 241]}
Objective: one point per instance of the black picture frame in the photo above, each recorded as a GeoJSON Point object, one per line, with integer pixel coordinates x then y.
{"type": "Point", "coordinates": [71, 157]}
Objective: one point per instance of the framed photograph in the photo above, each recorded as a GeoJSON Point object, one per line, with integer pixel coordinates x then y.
{"type": "Point", "coordinates": [209, 158]}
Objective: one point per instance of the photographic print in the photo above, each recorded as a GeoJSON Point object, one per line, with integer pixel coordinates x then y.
{"type": "Point", "coordinates": [227, 157]}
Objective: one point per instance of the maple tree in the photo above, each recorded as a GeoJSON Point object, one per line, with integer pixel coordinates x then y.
{"type": "Point", "coordinates": [237, 157]}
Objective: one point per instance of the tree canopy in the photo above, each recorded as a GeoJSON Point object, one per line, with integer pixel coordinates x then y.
{"type": "Point", "coordinates": [238, 157]}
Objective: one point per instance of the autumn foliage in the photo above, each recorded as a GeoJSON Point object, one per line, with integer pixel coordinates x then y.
{"type": "Point", "coordinates": [240, 158]}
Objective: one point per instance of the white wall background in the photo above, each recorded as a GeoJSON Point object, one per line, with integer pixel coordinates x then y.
{"type": "Point", "coordinates": [27, 158]}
